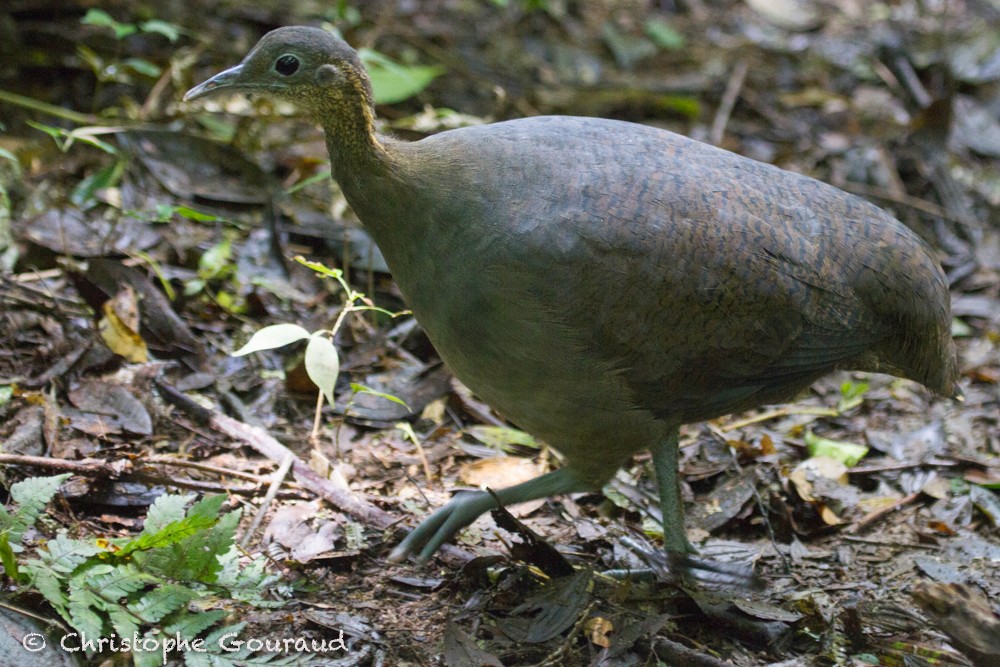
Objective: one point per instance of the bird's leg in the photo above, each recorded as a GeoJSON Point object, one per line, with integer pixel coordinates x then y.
{"type": "Point", "coordinates": [680, 557]}
{"type": "Point", "coordinates": [665, 457]}
{"type": "Point", "coordinates": [465, 508]}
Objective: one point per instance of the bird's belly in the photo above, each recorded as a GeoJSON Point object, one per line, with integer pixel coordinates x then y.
{"type": "Point", "coordinates": [536, 373]}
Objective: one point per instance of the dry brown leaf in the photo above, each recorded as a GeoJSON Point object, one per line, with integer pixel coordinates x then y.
{"type": "Point", "coordinates": [119, 328]}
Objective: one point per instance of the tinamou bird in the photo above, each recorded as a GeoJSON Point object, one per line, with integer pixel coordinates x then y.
{"type": "Point", "coordinates": [601, 283]}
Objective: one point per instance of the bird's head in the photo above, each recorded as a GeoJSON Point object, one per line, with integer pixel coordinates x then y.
{"type": "Point", "coordinates": [310, 67]}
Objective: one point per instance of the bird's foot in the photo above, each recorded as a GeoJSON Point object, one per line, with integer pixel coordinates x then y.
{"type": "Point", "coordinates": [433, 531]}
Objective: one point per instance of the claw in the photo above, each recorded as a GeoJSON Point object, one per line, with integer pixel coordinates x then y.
{"type": "Point", "coordinates": [463, 509]}
{"type": "Point", "coordinates": [441, 525]}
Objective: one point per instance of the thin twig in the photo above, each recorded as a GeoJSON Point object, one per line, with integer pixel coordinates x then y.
{"type": "Point", "coordinates": [889, 543]}
{"type": "Point", "coordinates": [123, 470]}
{"type": "Point", "coordinates": [733, 87]}
{"type": "Point", "coordinates": [204, 467]}
{"type": "Point", "coordinates": [272, 491]}
{"type": "Point", "coordinates": [257, 438]}
{"type": "Point", "coordinates": [88, 467]}
{"type": "Point", "coordinates": [412, 437]}
{"type": "Point", "coordinates": [872, 517]}
{"type": "Point", "coordinates": [678, 654]}
{"type": "Point", "coordinates": [191, 484]}
{"type": "Point", "coordinates": [780, 412]}
{"type": "Point", "coordinates": [261, 441]}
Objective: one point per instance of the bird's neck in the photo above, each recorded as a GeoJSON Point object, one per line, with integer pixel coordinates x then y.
{"type": "Point", "coordinates": [359, 157]}
{"type": "Point", "coordinates": [347, 115]}
{"type": "Point", "coordinates": [351, 138]}
{"type": "Point", "coordinates": [363, 163]}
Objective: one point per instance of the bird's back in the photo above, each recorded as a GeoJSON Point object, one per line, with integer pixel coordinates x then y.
{"type": "Point", "coordinates": [694, 281]}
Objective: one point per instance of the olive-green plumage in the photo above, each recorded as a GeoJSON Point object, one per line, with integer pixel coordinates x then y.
{"type": "Point", "coordinates": [601, 282]}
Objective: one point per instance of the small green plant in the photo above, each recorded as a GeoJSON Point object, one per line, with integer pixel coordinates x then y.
{"type": "Point", "coordinates": [217, 277]}
{"type": "Point", "coordinates": [84, 194]}
{"type": "Point", "coordinates": [664, 35]}
{"type": "Point", "coordinates": [159, 591]}
{"type": "Point", "coordinates": [852, 394]}
{"type": "Point", "coordinates": [121, 71]}
{"type": "Point", "coordinates": [848, 453]}
{"type": "Point", "coordinates": [322, 361]}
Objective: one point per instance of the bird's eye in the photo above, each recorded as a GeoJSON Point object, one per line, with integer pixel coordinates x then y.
{"type": "Point", "coordinates": [286, 65]}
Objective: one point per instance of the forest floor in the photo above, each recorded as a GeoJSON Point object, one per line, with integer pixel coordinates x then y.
{"type": "Point", "coordinates": [144, 239]}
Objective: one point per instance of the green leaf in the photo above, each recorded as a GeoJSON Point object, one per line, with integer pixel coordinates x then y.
{"type": "Point", "coordinates": [161, 601]}
{"type": "Point", "coordinates": [685, 105]}
{"type": "Point", "coordinates": [170, 534]}
{"type": "Point", "coordinates": [230, 302]}
{"type": "Point", "coordinates": [56, 133]}
{"type": "Point", "coordinates": [31, 496]}
{"type": "Point", "coordinates": [193, 215]}
{"type": "Point", "coordinates": [8, 559]}
{"type": "Point", "coordinates": [83, 608]}
{"type": "Point", "coordinates": [362, 389]}
{"type": "Point", "coordinates": [169, 30]}
{"type": "Point", "coordinates": [319, 267]}
{"type": "Point", "coordinates": [166, 509]}
{"type": "Point", "coordinates": [196, 557]}
{"type": "Point", "coordinates": [652, 527]}
{"type": "Point", "coordinates": [959, 329]}
{"type": "Point", "coordinates": [193, 286]}
{"type": "Point", "coordinates": [234, 574]}
{"type": "Point", "coordinates": [123, 30]}
{"type": "Point", "coordinates": [7, 155]}
{"type": "Point", "coordinates": [66, 138]}
{"type": "Point", "coordinates": [628, 49]}
{"type": "Point", "coordinates": [663, 35]}
{"type": "Point", "coordinates": [322, 364]}
{"type": "Point", "coordinates": [99, 17]}
{"type": "Point", "coordinates": [84, 194]}
{"type": "Point", "coordinates": [501, 437]}
{"type": "Point", "coordinates": [271, 337]}
{"type": "Point", "coordinates": [393, 82]}
{"type": "Point", "coordinates": [192, 625]}
{"type": "Point", "coordinates": [986, 502]}
{"type": "Point", "coordinates": [49, 585]}
{"type": "Point", "coordinates": [232, 631]}
{"type": "Point", "coordinates": [318, 177]}
{"type": "Point", "coordinates": [214, 545]}
{"type": "Point", "coordinates": [6, 393]}
{"type": "Point", "coordinates": [143, 67]}
{"type": "Point", "coordinates": [354, 536]}
{"type": "Point", "coordinates": [219, 128]}
{"type": "Point", "coordinates": [123, 622]}
{"type": "Point", "coordinates": [64, 554]}
{"type": "Point", "coordinates": [117, 581]}
{"type": "Point", "coordinates": [851, 395]}
{"type": "Point", "coordinates": [208, 507]}
{"type": "Point", "coordinates": [216, 259]}
{"type": "Point", "coordinates": [847, 453]}
{"type": "Point", "coordinates": [154, 658]}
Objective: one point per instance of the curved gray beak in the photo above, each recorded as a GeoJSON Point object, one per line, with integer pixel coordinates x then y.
{"type": "Point", "coordinates": [226, 80]}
